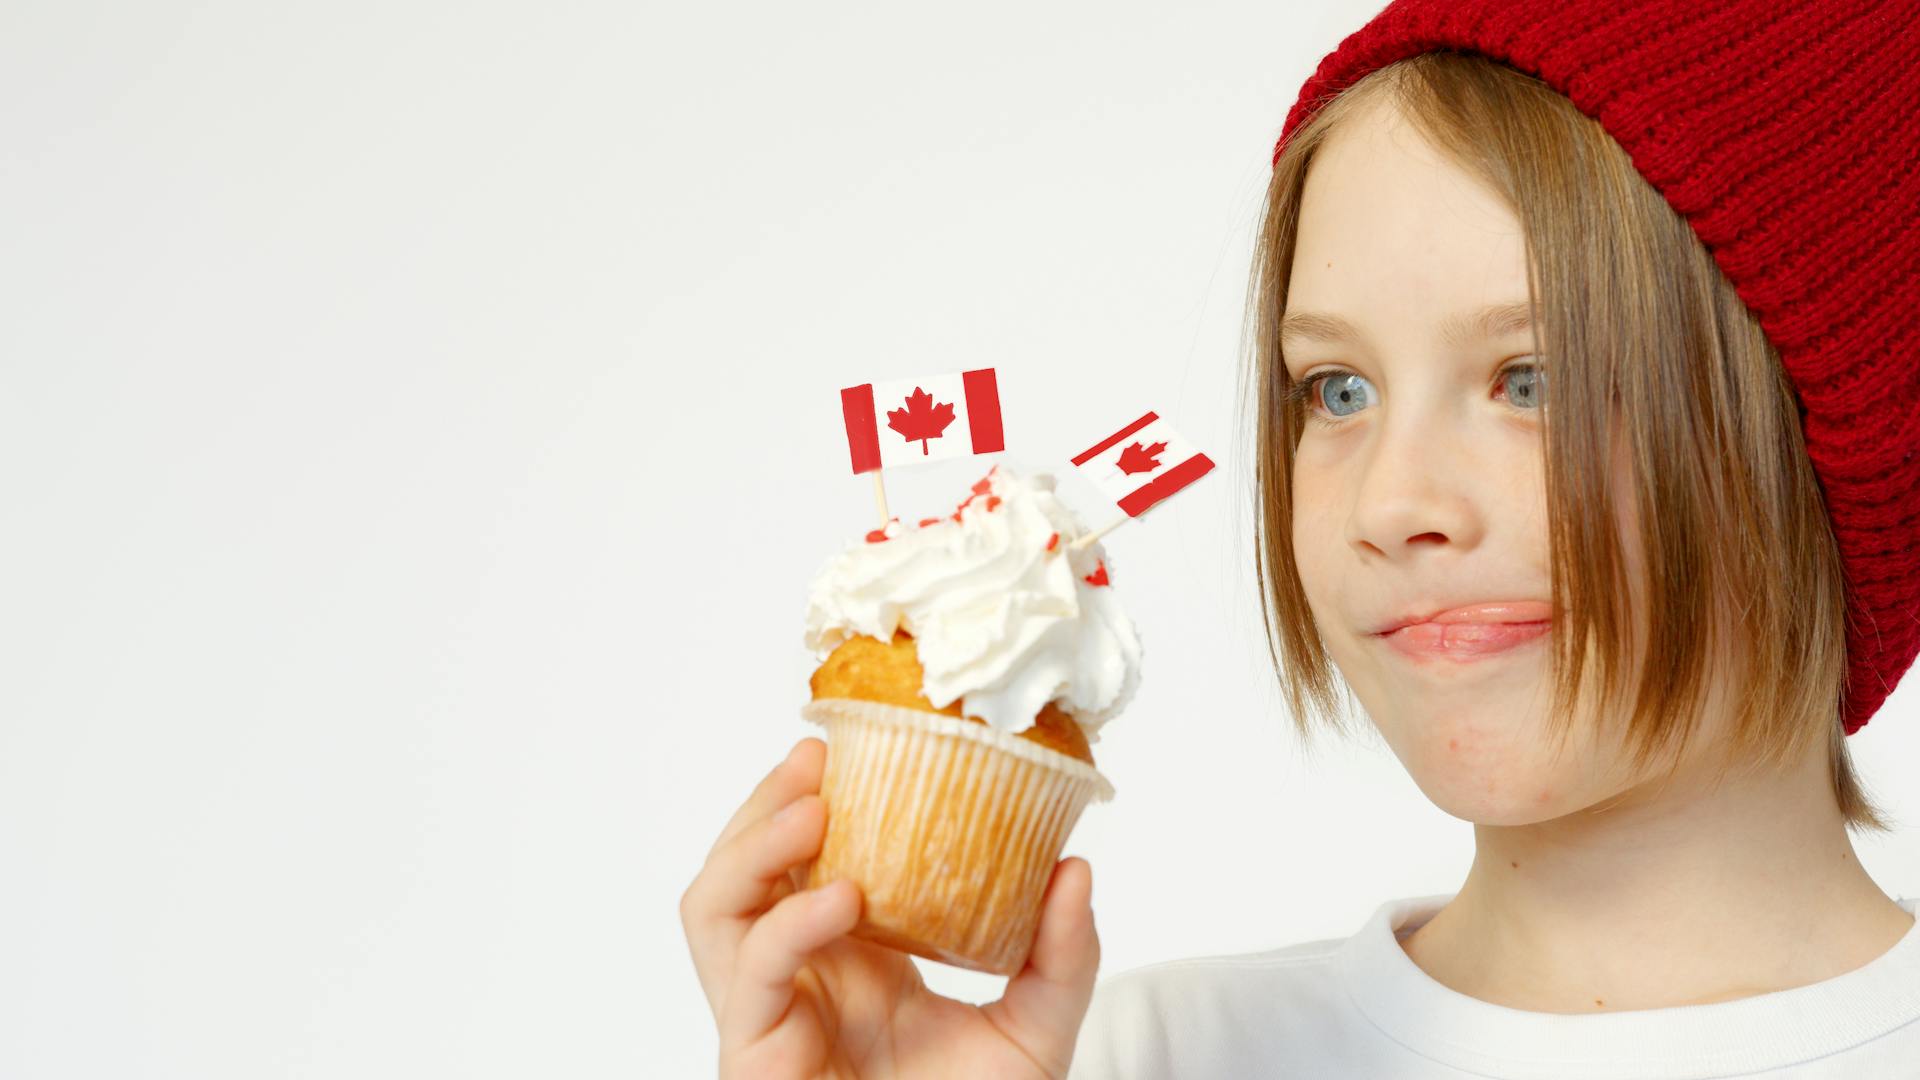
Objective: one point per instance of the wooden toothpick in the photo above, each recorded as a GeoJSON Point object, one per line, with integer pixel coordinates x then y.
{"type": "Point", "coordinates": [1089, 538]}
{"type": "Point", "coordinates": [880, 497]}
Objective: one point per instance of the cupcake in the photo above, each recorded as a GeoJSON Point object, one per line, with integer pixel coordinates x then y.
{"type": "Point", "coordinates": [967, 664]}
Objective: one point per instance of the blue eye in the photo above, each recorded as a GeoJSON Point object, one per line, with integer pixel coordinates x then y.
{"type": "Point", "coordinates": [1346, 393]}
{"type": "Point", "coordinates": [1530, 389]}
{"type": "Point", "coordinates": [1341, 392]}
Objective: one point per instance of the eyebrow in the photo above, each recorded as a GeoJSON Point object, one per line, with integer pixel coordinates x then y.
{"type": "Point", "coordinates": [1492, 321]}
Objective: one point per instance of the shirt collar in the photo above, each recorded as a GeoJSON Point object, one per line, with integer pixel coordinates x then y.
{"type": "Point", "coordinates": [1726, 1037]}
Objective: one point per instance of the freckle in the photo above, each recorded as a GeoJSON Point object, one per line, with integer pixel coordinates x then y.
{"type": "Point", "coordinates": [1516, 866]}
{"type": "Point", "coordinates": [1543, 797]}
{"type": "Point", "coordinates": [1597, 1001]}
{"type": "Point", "coordinates": [1453, 744]}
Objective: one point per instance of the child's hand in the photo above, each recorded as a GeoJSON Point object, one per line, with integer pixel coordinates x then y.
{"type": "Point", "coordinates": [795, 997]}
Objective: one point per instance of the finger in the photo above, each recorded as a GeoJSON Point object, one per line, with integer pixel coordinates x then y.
{"type": "Point", "coordinates": [1044, 1004]}
{"type": "Point", "coordinates": [796, 775]}
{"type": "Point", "coordinates": [742, 878]}
{"type": "Point", "coordinates": [740, 874]}
{"type": "Point", "coordinates": [774, 951]}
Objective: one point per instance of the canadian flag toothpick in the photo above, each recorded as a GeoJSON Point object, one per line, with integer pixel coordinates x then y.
{"type": "Point", "coordinates": [930, 418]}
{"type": "Point", "coordinates": [1139, 466]}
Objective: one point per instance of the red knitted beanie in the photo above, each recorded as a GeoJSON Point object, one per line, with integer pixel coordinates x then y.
{"type": "Point", "coordinates": [1787, 133]}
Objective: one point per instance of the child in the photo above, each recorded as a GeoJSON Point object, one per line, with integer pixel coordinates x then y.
{"type": "Point", "coordinates": [1605, 515]}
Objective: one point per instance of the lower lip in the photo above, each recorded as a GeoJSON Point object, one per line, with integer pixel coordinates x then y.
{"type": "Point", "coordinates": [1464, 641]}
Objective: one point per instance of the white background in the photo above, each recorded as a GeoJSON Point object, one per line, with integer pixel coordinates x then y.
{"type": "Point", "coordinates": [418, 425]}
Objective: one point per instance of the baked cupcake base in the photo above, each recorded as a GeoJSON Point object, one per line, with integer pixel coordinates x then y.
{"type": "Point", "coordinates": [950, 827]}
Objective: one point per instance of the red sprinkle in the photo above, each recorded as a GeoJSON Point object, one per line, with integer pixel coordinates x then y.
{"type": "Point", "coordinates": [1099, 575]}
{"type": "Point", "coordinates": [924, 522]}
{"type": "Point", "coordinates": [876, 535]}
{"type": "Point", "coordinates": [1053, 541]}
{"type": "Point", "coordinates": [983, 487]}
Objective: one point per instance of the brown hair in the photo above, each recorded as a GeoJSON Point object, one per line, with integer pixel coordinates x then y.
{"type": "Point", "coordinates": [1670, 359]}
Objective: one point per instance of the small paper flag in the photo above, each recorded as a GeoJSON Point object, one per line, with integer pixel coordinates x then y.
{"type": "Point", "coordinates": [1142, 464]}
{"type": "Point", "coordinates": [930, 418]}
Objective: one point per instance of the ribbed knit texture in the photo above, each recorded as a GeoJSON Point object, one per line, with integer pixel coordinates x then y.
{"type": "Point", "coordinates": [1788, 135]}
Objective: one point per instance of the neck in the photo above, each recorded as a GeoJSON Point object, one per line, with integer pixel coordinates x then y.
{"type": "Point", "coordinates": [1669, 895]}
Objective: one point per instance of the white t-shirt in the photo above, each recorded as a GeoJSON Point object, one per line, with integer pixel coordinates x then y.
{"type": "Point", "coordinates": [1360, 1007]}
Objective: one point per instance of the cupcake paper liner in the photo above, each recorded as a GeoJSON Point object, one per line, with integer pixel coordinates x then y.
{"type": "Point", "coordinates": [951, 828]}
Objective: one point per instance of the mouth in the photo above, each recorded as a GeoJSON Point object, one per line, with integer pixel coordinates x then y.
{"type": "Point", "coordinates": [1472, 632]}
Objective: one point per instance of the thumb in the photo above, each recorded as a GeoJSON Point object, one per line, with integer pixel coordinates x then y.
{"type": "Point", "coordinates": [1045, 1003]}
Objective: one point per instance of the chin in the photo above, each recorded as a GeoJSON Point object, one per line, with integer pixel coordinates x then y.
{"type": "Point", "coordinates": [1486, 768]}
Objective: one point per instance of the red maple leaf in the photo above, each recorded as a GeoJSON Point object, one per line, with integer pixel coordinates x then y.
{"type": "Point", "coordinates": [922, 419]}
{"type": "Point", "coordinates": [1137, 458]}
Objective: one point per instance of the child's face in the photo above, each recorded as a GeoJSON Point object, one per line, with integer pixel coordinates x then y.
{"type": "Point", "coordinates": [1430, 492]}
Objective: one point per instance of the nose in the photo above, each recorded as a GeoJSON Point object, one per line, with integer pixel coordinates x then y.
{"type": "Point", "coordinates": [1416, 487]}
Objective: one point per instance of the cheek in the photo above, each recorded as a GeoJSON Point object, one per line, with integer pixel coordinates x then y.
{"type": "Point", "coordinates": [1314, 541]}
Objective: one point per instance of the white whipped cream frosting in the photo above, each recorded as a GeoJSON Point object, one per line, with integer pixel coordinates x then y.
{"type": "Point", "coordinates": [999, 622]}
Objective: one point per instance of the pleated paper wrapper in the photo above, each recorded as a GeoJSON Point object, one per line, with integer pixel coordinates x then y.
{"type": "Point", "coordinates": [951, 828]}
